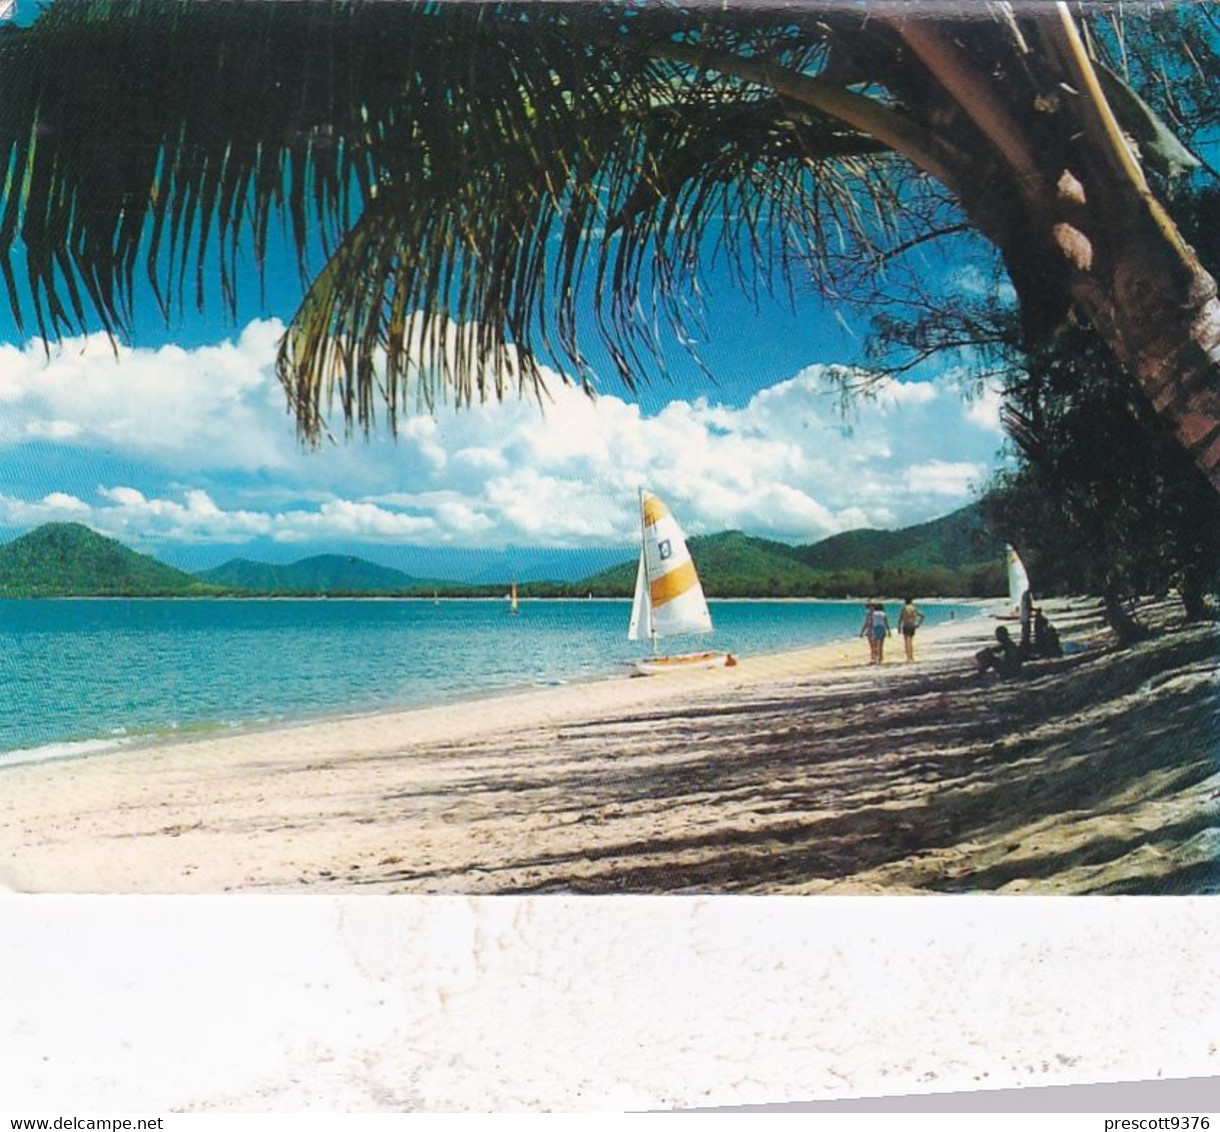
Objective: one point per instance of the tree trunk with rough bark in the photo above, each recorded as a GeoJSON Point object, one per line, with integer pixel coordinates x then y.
{"type": "Point", "coordinates": [1160, 313]}
{"type": "Point", "coordinates": [1059, 188]}
{"type": "Point", "coordinates": [1193, 592]}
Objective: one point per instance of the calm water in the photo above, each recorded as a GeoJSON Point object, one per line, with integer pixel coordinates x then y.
{"type": "Point", "coordinates": [81, 676]}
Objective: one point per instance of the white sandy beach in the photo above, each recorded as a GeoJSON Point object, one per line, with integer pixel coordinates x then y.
{"type": "Point", "coordinates": [808, 771]}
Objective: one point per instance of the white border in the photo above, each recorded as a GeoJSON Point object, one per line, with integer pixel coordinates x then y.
{"type": "Point", "coordinates": [349, 1004]}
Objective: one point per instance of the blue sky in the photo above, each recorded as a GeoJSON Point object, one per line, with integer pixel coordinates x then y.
{"type": "Point", "coordinates": [180, 445]}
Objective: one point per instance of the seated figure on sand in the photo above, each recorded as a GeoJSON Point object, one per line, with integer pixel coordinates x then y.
{"type": "Point", "coordinates": [1005, 658]}
{"type": "Point", "coordinates": [1046, 636]}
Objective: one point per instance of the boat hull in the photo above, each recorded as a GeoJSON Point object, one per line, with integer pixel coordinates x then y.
{"type": "Point", "coordinates": [686, 662]}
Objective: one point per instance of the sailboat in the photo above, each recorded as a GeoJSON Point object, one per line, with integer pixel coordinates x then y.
{"type": "Point", "coordinates": [513, 607]}
{"type": "Point", "coordinates": [1018, 581]}
{"type": "Point", "coordinates": [668, 598]}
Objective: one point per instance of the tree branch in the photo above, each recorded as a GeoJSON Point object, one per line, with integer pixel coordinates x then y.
{"type": "Point", "coordinates": [977, 98]}
{"type": "Point", "coordinates": [855, 110]}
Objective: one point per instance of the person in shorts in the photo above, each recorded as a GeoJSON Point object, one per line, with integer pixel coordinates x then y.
{"type": "Point", "coordinates": [880, 626]}
{"type": "Point", "coordinates": [909, 619]}
{"type": "Point", "coordinates": [866, 630]}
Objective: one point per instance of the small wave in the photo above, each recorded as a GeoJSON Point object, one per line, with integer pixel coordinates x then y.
{"type": "Point", "coordinates": [54, 752]}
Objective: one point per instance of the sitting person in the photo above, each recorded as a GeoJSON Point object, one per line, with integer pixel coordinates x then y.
{"type": "Point", "coordinates": [1046, 637]}
{"type": "Point", "coordinates": [1005, 658]}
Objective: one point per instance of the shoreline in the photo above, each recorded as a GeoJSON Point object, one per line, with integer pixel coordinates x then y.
{"type": "Point", "coordinates": [98, 746]}
{"type": "Point", "coordinates": [427, 598]}
{"type": "Point", "coordinates": [805, 771]}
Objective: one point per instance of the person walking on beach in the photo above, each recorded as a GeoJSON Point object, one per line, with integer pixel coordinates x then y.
{"type": "Point", "coordinates": [876, 628]}
{"type": "Point", "coordinates": [866, 631]}
{"type": "Point", "coordinates": [881, 630]}
{"type": "Point", "coordinates": [909, 619]}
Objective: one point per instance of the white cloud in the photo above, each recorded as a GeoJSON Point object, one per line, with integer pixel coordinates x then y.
{"type": "Point", "coordinates": [940, 477]}
{"type": "Point", "coordinates": [58, 501]}
{"type": "Point", "coordinates": [214, 407]}
{"type": "Point", "coordinates": [350, 519]}
{"type": "Point", "coordinates": [975, 283]}
{"type": "Point", "coordinates": [984, 410]}
{"type": "Point", "coordinates": [897, 394]}
{"type": "Point", "coordinates": [52, 430]}
{"type": "Point", "coordinates": [54, 507]}
{"type": "Point", "coordinates": [128, 513]}
{"type": "Point", "coordinates": [219, 461]}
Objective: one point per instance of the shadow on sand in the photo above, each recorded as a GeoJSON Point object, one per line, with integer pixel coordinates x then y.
{"type": "Point", "coordinates": [1084, 775]}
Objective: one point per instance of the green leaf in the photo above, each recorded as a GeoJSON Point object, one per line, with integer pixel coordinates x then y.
{"type": "Point", "coordinates": [1157, 142]}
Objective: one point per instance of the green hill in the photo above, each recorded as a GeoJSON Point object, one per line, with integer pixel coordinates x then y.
{"type": "Point", "coordinates": [729, 563]}
{"type": "Point", "coordinates": [956, 541]}
{"type": "Point", "coordinates": [323, 573]}
{"type": "Point", "coordinates": [70, 560]}
{"type": "Point", "coordinates": [952, 556]}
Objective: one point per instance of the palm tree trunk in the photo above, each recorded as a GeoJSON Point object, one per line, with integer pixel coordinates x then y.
{"type": "Point", "coordinates": [1192, 589]}
{"type": "Point", "coordinates": [1157, 306]}
{"type": "Point", "coordinates": [1067, 202]}
{"type": "Point", "coordinates": [1161, 315]}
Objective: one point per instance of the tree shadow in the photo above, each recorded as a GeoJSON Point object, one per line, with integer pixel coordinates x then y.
{"type": "Point", "coordinates": [823, 783]}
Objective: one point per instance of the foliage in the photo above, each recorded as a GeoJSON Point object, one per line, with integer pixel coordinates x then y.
{"type": "Point", "coordinates": [68, 559]}
{"type": "Point", "coordinates": [487, 166]}
{"type": "Point", "coordinates": [949, 557]}
{"type": "Point", "coordinates": [1102, 499]}
{"type": "Point", "coordinates": [471, 164]}
{"type": "Point", "coordinates": [959, 540]}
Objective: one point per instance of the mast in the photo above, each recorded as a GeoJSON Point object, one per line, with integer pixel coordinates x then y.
{"type": "Point", "coordinates": [652, 632]}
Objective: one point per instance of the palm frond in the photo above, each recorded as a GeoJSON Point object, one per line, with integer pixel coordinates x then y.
{"type": "Point", "coordinates": [499, 166]}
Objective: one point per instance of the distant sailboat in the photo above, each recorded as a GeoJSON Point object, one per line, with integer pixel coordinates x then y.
{"type": "Point", "coordinates": [668, 598]}
{"type": "Point", "coordinates": [1018, 581]}
{"type": "Point", "coordinates": [513, 607]}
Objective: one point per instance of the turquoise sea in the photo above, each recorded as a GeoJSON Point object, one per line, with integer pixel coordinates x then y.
{"type": "Point", "coordinates": [84, 676]}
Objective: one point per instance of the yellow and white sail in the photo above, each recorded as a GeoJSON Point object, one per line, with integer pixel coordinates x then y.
{"type": "Point", "coordinates": [1018, 579]}
{"type": "Point", "coordinates": [668, 595]}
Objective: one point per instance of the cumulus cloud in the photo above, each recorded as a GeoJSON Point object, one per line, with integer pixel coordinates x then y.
{"type": "Point", "coordinates": [983, 410]}
{"type": "Point", "coordinates": [54, 507]}
{"type": "Point", "coordinates": [941, 477]}
{"type": "Point", "coordinates": [219, 461]}
{"type": "Point", "coordinates": [215, 406]}
{"type": "Point", "coordinates": [195, 518]}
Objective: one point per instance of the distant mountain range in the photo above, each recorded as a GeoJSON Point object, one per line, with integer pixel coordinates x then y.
{"type": "Point", "coordinates": [324, 573]}
{"type": "Point", "coordinates": [954, 555]}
